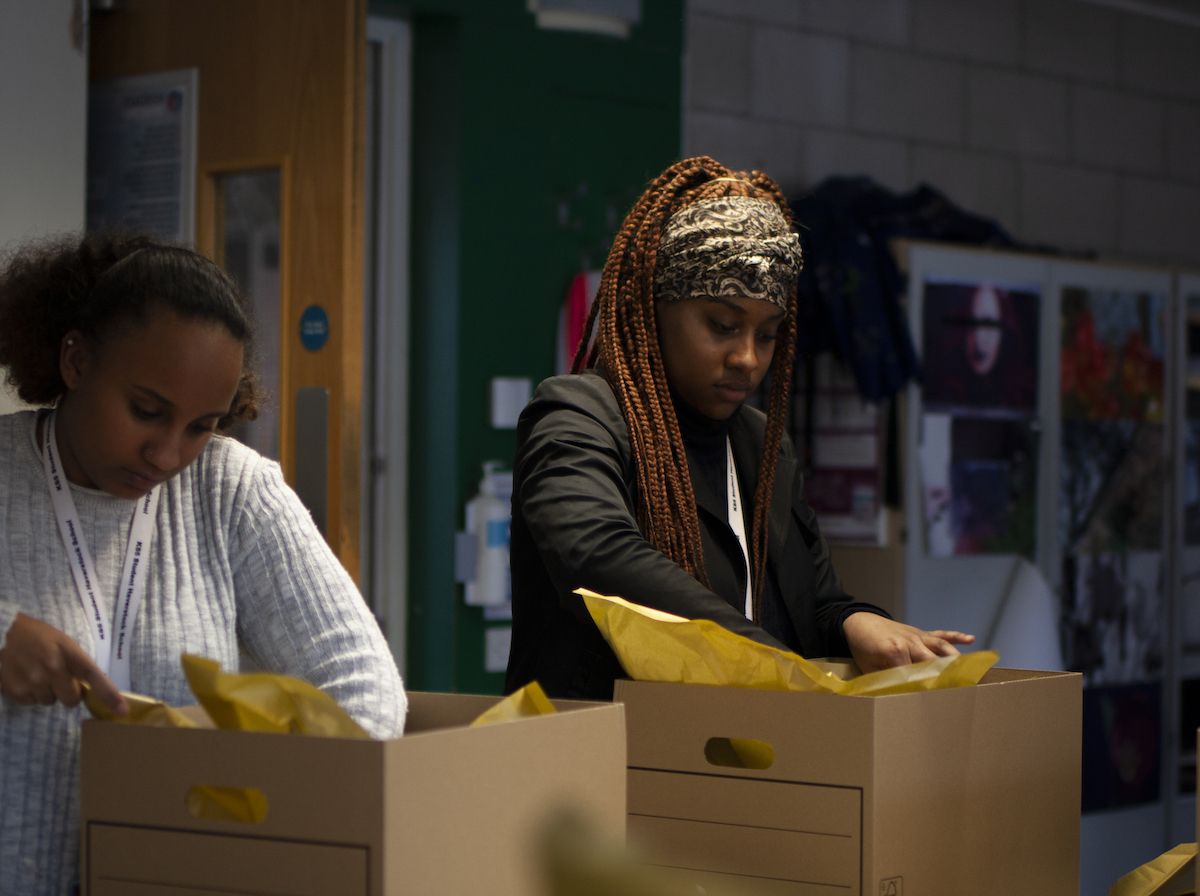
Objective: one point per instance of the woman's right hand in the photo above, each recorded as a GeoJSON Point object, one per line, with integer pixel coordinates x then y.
{"type": "Point", "coordinates": [40, 664]}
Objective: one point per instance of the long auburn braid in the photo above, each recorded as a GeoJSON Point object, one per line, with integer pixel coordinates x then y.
{"type": "Point", "coordinates": [626, 345]}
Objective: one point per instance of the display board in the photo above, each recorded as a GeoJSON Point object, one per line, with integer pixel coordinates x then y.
{"type": "Point", "coordinates": [1110, 565]}
{"type": "Point", "coordinates": [1086, 550]}
{"type": "Point", "coordinates": [975, 503]}
{"type": "Point", "coordinates": [1184, 638]}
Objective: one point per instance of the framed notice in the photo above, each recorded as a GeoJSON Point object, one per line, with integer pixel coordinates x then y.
{"type": "Point", "coordinates": [141, 173]}
{"type": "Point", "coordinates": [844, 484]}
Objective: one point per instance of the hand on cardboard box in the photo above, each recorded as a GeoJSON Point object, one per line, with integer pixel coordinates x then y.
{"type": "Point", "coordinates": [40, 664]}
{"type": "Point", "coordinates": [877, 642]}
{"type": "Point", "coordinates": [657, 646]}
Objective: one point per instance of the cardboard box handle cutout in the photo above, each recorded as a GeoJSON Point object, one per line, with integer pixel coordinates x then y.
{"type": "Point", "coordinates": [212, 803]}
{"type": "Point", "coordinates": [737, 752]}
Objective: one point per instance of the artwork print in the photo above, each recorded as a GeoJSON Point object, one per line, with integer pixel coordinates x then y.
{"type": "Point", "coordinates": [1112, 355]}
{"type": "Point", "coordinates": [1122, 751]}
{"type": "Point", "coordinates": [980, 348]}
{"type": "Point", "coordinates": [1112, 511]}
{"type": "Point", "coordinates": [980, 479]}
{"type": "Point", "coordinates": [979, 396]}
{"type": "Point", "coordinates": [1113, 606]}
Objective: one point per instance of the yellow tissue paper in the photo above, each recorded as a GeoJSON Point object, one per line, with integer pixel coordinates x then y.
{"type": "Point", "coordinates": [657, 646]}
{"type": "Point", "coordinates": [530, 700]}
{"type": "Point", "coordinates": [142, 711]}
{"type": "Point", "coordinates": [244, 804]}
{"type": "Point", "coordinates": [260, 701]}
{"type": "Point", "coordinates": [1171, 874]}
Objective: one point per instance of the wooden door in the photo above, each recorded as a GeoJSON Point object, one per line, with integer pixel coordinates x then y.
{"type": "Point", "coordinates": [281, 95]}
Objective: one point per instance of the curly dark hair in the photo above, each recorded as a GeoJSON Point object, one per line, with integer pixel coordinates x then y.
{"type": "Point", "coordinates": [99, 284]}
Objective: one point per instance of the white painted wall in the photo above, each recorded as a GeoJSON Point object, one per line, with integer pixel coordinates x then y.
{"type": "Point", "coordinates": [43, 124]}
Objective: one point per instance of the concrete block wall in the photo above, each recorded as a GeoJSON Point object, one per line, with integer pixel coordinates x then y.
{"type": "Point", "coordinates": [1072, 124]}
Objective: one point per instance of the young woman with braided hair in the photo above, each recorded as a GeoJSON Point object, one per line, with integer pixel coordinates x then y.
{"type": "Point", "coordinates": [631, 473]}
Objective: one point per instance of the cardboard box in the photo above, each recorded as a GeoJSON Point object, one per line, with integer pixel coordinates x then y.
{"type": "Point", "coordinates": [446, 809]}
{"type": "Point", "coordinates": [969, 790]}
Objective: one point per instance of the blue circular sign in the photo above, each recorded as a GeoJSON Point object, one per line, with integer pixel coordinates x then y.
{"type": "Point", "coordinates": [314, 328]}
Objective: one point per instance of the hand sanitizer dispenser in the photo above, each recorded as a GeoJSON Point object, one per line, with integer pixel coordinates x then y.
{"type": "Point", "coordinates": [489, 516]}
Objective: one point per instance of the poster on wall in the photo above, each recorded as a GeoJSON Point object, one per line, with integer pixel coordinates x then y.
{"type": "Point", "coordinates": [141, 170]}
{"type": "Point", "coordinates": [1112, 507]}
{"type": "Point", "coordinates": [979, 430]}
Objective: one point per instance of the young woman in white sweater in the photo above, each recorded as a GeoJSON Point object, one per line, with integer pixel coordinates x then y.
{"type": "Point", "coordinates": [131, 531]}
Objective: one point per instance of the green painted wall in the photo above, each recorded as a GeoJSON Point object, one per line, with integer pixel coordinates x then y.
{"type": "Point", "coordinates": [529, 147]}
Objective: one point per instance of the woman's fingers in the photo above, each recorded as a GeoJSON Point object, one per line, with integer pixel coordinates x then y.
{"type": "Point", "coordinates": [25, 687]}
{"type": "Point", "coordinates": [919, 651]}
{"type": "Point", "coordinates": [82, 667]}
{"type": "Point", "coordinates": [939, 646]}
{"type": "Point", "coordinates": [65, 688]}
{"type": "Point", "coordinates": [40, 664]}
{"type": "Point", "coordinates": [877, 642]}
{"type": "Point", "coordinates": [954, 637]}
{"type": "Point", "coordinates": [891, 655]}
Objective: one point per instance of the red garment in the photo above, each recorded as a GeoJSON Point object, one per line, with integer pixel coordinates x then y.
{"type": "Point", "coordinates": [573, 317]}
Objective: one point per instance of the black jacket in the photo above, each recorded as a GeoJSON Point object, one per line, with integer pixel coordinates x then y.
{"type": "Point", "coordinates": [574, 525]}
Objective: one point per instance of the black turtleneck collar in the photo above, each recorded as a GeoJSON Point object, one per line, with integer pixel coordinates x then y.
{"type": "Point", "coordinates": [698, 430]}
{"type": "Point", "coordinates": [704, 440]}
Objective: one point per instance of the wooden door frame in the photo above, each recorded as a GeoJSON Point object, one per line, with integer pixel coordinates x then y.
{"type": "Point", "coordinates": [208, 226]}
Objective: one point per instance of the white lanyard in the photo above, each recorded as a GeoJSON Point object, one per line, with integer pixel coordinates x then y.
{"type": "Point", "coordinates": [112, 642]}
{"type": "Point", "coordinates": [736, 522]}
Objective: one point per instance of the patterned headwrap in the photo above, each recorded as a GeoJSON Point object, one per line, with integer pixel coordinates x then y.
{"type": "Point", "coordinates": [728, 246]}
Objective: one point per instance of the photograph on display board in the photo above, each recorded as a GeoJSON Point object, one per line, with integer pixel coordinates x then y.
{"type": "Point", "coordinates": [1122, 751]}
{"type": "Point", "coordinates": [849, 504]}
{"type": "Point", "coordinates": [1189, 594]}
{"type": "Point", "coordinates": [980, 477]}
{"type": "Point", "coordinates": [1113, 603]}
{"type": "Point", "coordinates": [1111, 481]}
{"type": "Point", "coordinates": [1112, 355]}
{"type": "Point", "coordinates": [980, 348]}
{"type": "Point", "coordinates": [1112, 508]}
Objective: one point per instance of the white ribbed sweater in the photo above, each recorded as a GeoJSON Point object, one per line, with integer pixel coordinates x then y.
{"type": "Point", "coordinates": [235, 559]}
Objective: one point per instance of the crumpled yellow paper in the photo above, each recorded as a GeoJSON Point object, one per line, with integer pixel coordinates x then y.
{"type": "Point", "coordinates": [244, 804]}
{"type": "Point", "coordinates": [142, 710]}
{"type": "Point", "coordinates": [1168, 875]}
{"type": "Point", "coordinates": [530, 700]}
{"type": "Point", "coordinates": [260, 701]}
{"type": "Point", "coordinates": [657, 646]}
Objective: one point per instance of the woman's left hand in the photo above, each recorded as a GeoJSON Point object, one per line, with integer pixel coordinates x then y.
{"type": "Point", "coordinates": [877, 642]}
